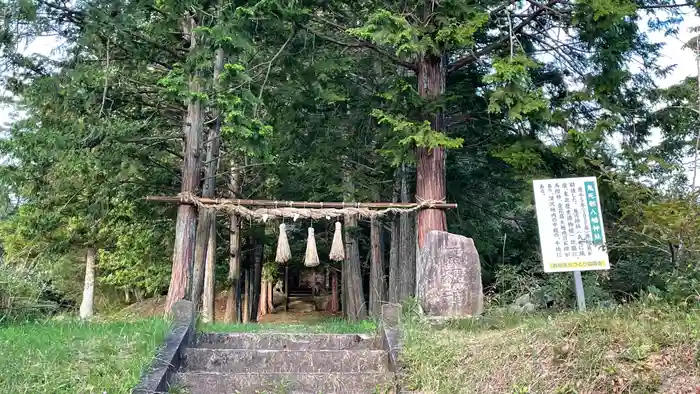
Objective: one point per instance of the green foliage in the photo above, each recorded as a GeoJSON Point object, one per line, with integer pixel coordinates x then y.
{"type": "Point", "coordinates": [20, 295]}
{"type": "Point", "coordinates": [514, 88]}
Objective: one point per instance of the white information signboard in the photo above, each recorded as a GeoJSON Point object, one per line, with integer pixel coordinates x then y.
{"type": "Point", "coordinates": [571, 225]}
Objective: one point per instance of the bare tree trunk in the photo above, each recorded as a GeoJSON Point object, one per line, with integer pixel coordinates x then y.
{"type": "Point", "coordinates": [262, 309]}
{"type": "Point", "coordinates": [407, 243]}
{"type": "Point", "coordinates": [376, 273]}
{"type": "Point", "coordinates": [209, 296]}
{"type": "Point", "coordinates": [180, 280]}
{"type": "Point", "coordinates": [333, 305]}
{"type": "Point", "coordinates": [430, 177]}
{"type": "Point", "coordinates": [246, 295]}
{"type": "Point", "coordinates": [395, 248]}
{"type": "Point", "coordinates": [270, 298]}
{"type": "Point", "coordinates": [206, 226]}
{"type": "Point", "coordinates": [257, 281]}
{"type": "Point", "coordinates": [86, 306]}
{"type": "Point", "coordinates": [356, 309]}
{"type": "Point", "coordinates": [234, 263]}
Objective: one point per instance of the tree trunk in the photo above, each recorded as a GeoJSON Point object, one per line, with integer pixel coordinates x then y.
{"type": "Point", "coordinates": [395, 248]}
{"type": "Point", "coordinates": [262, 309]}
{"type": "Point", "coordinates": [333, 305]}
{"type": "Point", "coordinates": [180, 279]}
{"type": "Point", "coordinates": [206, 226]}
{"type": "Point", "coordinates": [246, 295]}
{"type": "Point", "coordinates": [355, 298]}
{"type": "Point", "coordinates": [430, 177]}
{"type": "Point", "coordinates": [234, 263]}
{"type": "Point", "coordinates": [257, 279]}
{"type": "Point", "coordinates": [407, 243]}
{"type": "Point", "coordinates": [270, 298]}
{"type": "Point", "coordinates": [86, 306]}
{"type": "Point", "coordinates": [376, 272]}
{"type": "Point", "coordinates": [209, 296]}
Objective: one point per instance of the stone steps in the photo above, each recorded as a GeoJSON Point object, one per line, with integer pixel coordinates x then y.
{"type": "Point", "coordinates": [286, 383]}
{"type": "Point", "coordinates": [287, 361]}
{"type": "Point", "coordinates": [278, 363]}
{"type": "Point", "coordinates": [283, 341]}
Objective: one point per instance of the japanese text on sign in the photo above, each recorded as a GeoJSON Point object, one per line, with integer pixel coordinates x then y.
{"type": "Point", "coordinates": [571, 225]}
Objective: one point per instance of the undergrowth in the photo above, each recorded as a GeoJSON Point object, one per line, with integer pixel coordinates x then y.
{"type": "Point", "coordinates": [69, 357]}
{"type": "Point", "coordinates": [631, 349]}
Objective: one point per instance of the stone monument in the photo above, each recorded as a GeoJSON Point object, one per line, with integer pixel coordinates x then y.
{"type": "Point", "coordinates": [448, 276]}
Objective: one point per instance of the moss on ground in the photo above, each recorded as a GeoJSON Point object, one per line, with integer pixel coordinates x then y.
{"type": "Point", "coordinates": [631, 349]}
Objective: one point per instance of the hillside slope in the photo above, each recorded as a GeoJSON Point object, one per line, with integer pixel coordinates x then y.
{"type": "Point", "coordinates": [632, 349]}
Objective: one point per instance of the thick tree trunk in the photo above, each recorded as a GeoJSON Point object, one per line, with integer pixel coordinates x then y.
{"type": "Point", "coordinates": [407, 253]}
{"type": "Point", "coordinates": [356, 309]}
{"type": "Point", "coordinates": [430, 177]}
{"type": "Point", "coordinates": [206, 226]}
{"type": "Point", "coordinates": [376, 272]}
{"type": "Point", "coordinates": [86, 306]}
{"type": "Point", "coordinates": [234, 263]}
{"type": "Point", "coordinates": [209, 295]}
{"type": "Point", "coordinates": [180, 279]}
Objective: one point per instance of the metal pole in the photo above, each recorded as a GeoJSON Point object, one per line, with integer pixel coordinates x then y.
{"type": "Point", "coordinates": [580, 296]}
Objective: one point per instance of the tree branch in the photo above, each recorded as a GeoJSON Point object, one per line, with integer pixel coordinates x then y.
{"type": "Point", "coordinates": [362, 44]}
{"type": "Point", "coordinates": [474, 56]}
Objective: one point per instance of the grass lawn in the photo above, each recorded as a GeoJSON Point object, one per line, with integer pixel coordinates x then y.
{"type": "Point", "coordinates": [77, 358]}
{"type": "Point", "coordinates": [332, 325]}
{"type": "Point", "coordinates": [632, 349]}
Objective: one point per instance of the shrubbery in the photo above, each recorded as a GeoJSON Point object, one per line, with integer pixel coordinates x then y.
{"type": "Point", "coordinates": [22, 295]}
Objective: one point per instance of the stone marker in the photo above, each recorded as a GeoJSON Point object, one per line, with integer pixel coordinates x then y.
{"type": "Point", "coordinates": [448, 276]}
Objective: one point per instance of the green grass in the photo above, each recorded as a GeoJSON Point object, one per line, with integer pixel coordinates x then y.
{"type": "Point", "coordinates": [324, 326]}
{"type": "Point", "coordinates": [634, 349]}
{"type": "Point", "coordinates": [77, 358]}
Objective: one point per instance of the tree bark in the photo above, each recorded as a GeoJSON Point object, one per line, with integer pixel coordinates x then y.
{"type": "Point", "coordinates": [376, 272]}
{"type": "Point", "coordinates": [209, 295]}
{"type": "Point", "coordinates": [407, 252]}
{"type": "Point", "coordinates": [257, 279]}
{"type": "Point", "coordinates": [333, 305]}
{"type": "Point", "coordinates": [180, 279]}
{"type": "Point", "coordinates": [206, 226]}
{"type": "Point", "coordinates": [246, 295]}
{"type": "Point", "coordinates": [395, 248]}
{"type": "Point", "coordinates": [430, 177]}
{"type": "Point", "coordinates": [86, 306]}
{"type": "Point", "coordinates": [234, 263]}
{"type": "Point", "coordinates": [355, 309]}
{"type": "Point", "coordinates": [270, 298]}
{"type": "Point", "coordinates": [262, 309]}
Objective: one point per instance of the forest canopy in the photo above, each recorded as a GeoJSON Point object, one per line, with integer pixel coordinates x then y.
{"type": "Point", "coordinates": [462, 101]}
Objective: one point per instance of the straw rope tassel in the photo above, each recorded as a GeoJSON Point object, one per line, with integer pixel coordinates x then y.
{"type": "Point", "coordinates": [311, 258]}
{"type": "Point", "coordinates": [283, 251]}
{"type": "Point", "coordinates": [337, 249]}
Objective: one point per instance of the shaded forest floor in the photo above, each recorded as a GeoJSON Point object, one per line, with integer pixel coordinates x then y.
{"type": "Point", "coordinates": [632, 349]}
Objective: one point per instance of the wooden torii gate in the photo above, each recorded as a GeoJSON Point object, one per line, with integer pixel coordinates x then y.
{"type": "Point", "coordinates": [263, 210]}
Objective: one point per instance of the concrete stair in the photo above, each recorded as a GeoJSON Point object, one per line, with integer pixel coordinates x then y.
{"type": "Point", "coordinates": [285, 364]}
